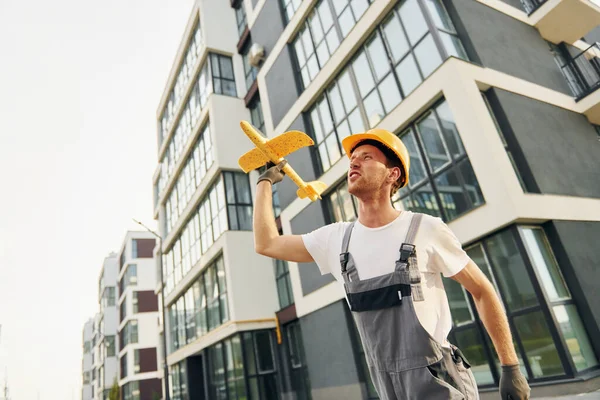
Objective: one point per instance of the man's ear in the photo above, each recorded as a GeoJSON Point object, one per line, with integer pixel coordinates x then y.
{"type": "Point", "coordinates": [395, 174]}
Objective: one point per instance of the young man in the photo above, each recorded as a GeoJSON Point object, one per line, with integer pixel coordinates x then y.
{"type": "Point", "coordinates": [389, 264]}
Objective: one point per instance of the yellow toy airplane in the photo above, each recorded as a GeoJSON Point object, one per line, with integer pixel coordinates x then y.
{"type": "Point", "coordinates": [274, 150]}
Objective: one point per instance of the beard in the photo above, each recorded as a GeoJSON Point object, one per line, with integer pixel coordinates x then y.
{"type": "Point", "coordinates": [364, 188]}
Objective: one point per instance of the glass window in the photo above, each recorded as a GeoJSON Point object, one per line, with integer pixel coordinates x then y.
{"type": "Point", "coordinates": [576, 338]}
{"type": "Point", "coordinates": [343, 206]}
{"type": "Point", "coordinates": [110, 345]}
{"type": "Point", "coordinates": [256, 115]}
{"type": "Point", "coordinates": [290, 7]}
{"type": "Point", "coordinates": [458, 301]}
{"type": "Point", "coordinates": [544, 264]}
{"type": "Point", "coordinates": [539, 346]}
{"type": "Point", "coordinates": [218, 386]}
{"type": "Point", "coordinates": [208, 223]}
{"type": "Point", "coordinates": [240, 17]}
{"type": "Point", "coordinates": [284, 285]}
{"type": "Point", "coordinates": [442, 182]}
{"type": "Point", "coordinates": [517, 260]}
{"type": "Point", "coordinates": [201, 308]}
{"type": "Point", "coordinates": [393, 61]}
{"type": "Point", "coordinates": [250, 71]}
{"type": "Point", "coordinates": [183, 76]}
{"type": "Point", "coordinates": [222, 72]}
{"type": "Point", "coordinates": [511, 271]}
{"type": "Point", "coordinates": [300, 384]}
{"type": "Point", "coordinates": [322, 33]}
{"type": "Point", "coordinates": [470, 343]}
{"type": "Point", "coordinates": [239, 202]}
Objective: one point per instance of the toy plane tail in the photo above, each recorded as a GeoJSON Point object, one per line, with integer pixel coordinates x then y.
{"type": "Point", "coordinates": [279, 146]}
{"type": "Point", "coordinates": [312, 190]}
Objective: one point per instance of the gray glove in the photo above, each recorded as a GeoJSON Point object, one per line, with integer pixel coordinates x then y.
{"type": "Point", "coordinates": [274, 173]}
{"type": "Point", "coordinates": [513, 385]}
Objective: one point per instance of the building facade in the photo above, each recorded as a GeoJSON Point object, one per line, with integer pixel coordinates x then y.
{"type": "Point", "coordinates": [497, 102]}
{"type": "Point", "coordinates": [138, 320]}
{"type": "Point", "coordinates": [100, 365]}
{"type": "Point", "coordinates": [86, 362]}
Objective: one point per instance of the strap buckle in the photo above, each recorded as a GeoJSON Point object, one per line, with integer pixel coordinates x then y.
{"type": "Point", "coordinates": [406, 250]}
{"type": "Point", "coordinates": [344, 261]}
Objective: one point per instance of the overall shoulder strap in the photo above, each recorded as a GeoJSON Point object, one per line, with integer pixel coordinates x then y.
{"type": "Point", "coordinates": [345, 244]}
{"type": "Point", "coordinates": [408, 247]}
{"type": "Point", "coordinates": [407, 251]}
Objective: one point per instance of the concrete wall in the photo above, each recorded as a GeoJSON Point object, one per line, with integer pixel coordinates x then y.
{"type": "Point", "coordinates": [281, 86]}
{"type": "Point", "coordinates": [593, 36]}
{"type": "Point", "coordinates": [146, 273]}
{"type": "Point", "coordinates": [329, 355]}
{"type": "Point", "coordinates": [229, 140]}
{"type": "Point", "coordinates": [268, 26]}
{"type": "Point", "coordinates": [111, 320]}
{"type": "Point", "coordinates": [497, 41]}
{"type": "Point", "coordinates": [111, 371]}
{"type": "Point", "coordinates": [309, 219]}
{"type": "Point", "coordinates": [250, 279]}
{"type": "Point", "coordinates": [576, 249]}
{"type": "Point", "coordinates": [560, 147]}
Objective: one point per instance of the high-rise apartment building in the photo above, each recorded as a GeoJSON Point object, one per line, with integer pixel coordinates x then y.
{"type": "Point", "coordinates": [138, 325]}
{"type": "Point", "coordinates": [86, 362]}
{"type": "Point", "coordinates": [100, 366]}
{"type": "Point", "coordinates": [498, 104]}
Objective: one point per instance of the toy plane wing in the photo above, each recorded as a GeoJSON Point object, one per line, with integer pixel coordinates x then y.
{"type": "Point", "coordinates": [274, 150]}
{"type": "Point", "coordinates": [280, 146]}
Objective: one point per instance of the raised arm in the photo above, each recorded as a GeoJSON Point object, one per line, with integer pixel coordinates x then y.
{"type": "Point", "coordinates": [267, 240]}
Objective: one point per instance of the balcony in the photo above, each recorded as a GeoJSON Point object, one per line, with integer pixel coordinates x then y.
{"type": "Point", "coordinates": [583, 72]}
{"type": "Point", "coordinates": [563, 20]}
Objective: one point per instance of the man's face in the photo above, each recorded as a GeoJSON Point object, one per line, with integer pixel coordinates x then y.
{"type": "Point", "coordinates": [368, 172]}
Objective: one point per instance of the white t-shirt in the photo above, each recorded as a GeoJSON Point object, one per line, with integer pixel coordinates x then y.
{"type": "Point", "coordinates": [375, 251]}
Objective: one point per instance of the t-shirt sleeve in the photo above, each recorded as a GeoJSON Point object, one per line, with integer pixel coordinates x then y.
{"type": "Point", "coordinates": [449, 258]}
{"type": "Point", "coordinates": [317, 243]}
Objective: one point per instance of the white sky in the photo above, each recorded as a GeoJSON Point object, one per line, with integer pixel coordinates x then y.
{"type": "Point", "coordinates": [80, 83]}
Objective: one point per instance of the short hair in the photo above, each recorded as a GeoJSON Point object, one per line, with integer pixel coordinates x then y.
{"type": "Point", "coordinates": [392, 161]}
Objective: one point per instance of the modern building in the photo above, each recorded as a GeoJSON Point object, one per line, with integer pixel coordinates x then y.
{"type": "Point", "coordinates": [86, 362]}
{"type": "Point", "coordinates": [138, 325]}
{"type": "Point", "coordinates": [497, 102]}
{"type": "Point", "coordinates": [108, 372]}
{"type": "Point", "coordinates": [100, 365]}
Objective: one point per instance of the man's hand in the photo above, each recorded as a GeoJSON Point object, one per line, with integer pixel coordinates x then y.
{"type": "Point", "coordinates": [513, 385]}
{"type": "Point", "coordinates": [274, 174]}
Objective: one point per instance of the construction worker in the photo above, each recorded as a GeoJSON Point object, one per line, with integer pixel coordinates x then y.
{"type": "Point", "coordinates": [389, 263]}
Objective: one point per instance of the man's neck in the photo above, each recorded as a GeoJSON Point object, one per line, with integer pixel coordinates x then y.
{"type": "Point", "coordinates": [376, 213]}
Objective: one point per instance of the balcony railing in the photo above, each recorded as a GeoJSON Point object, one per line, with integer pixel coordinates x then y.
{"type": "Point", "coordinates": [531, 5]}
{"type": "Point", "coordinates": [583, 71]}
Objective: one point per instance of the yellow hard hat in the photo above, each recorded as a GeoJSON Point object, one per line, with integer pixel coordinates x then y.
{"type": "Point", "coordinates": [389, 140]}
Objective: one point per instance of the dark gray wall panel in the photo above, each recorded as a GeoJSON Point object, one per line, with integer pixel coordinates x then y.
{"type": "Point", "coordinates": [329, 354]}
{"type": "Point", "coordinates": [515, 3]}
{"type": "Point", "coordinates": [560, 146]}
{"type": "Point", "coordinates": [575, 245]}
{"type": "Point", "coordinates": [306, 221]}
{"type": "Point", "coordinates": [593, 36]}
{"type": "Point", "coordinates": [301, 161]}
{"type": "Point", "coordinates": [254, 3]}
{"type": "Point", "coordinates": [498, 41]}
{"type": "Point", "coordinates": [268, 25]}
{"type": "Point", "coordinates": [281, 86]}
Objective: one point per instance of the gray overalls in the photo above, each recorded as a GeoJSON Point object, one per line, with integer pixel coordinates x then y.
{"type": "Point", "coordinates": [405, 362]}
